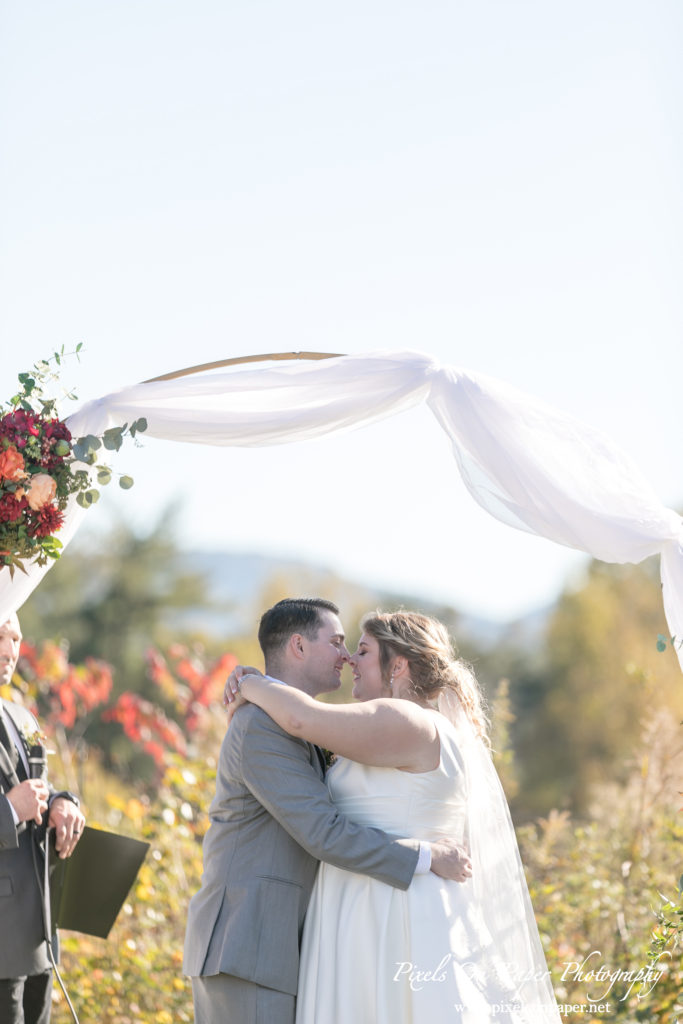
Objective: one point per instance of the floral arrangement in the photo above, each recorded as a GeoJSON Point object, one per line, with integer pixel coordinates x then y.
{"type": "Point", "coordinates": [42, 466]}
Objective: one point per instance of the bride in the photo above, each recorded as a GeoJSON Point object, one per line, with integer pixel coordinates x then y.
{"type": "Point", "coordinates": [413, 759]}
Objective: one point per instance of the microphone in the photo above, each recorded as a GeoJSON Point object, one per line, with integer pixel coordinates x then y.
{"type": "Point", "coordinates": [37, 762]}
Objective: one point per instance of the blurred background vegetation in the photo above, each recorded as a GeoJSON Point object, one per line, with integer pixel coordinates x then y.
{"type": "Point", "coordinates": [128, 643]}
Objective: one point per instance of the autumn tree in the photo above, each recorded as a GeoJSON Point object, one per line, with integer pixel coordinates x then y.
{"type": "Point", "coordinates": [579, 713]}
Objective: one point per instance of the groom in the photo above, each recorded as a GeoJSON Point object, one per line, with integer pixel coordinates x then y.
{"type": "Point", "coordinates": [271, 822]}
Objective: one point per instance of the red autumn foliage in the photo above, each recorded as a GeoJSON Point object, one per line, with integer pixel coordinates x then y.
{"type": "Point", "coordinates": [71, 691]}
{"type": "Point", "coordinates": [188, 683]}
{"type": "Point", "coordinates": [146, 724]}
{"type": "Point", "coordinates": [69, 695]}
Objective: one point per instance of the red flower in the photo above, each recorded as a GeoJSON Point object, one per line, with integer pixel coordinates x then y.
{"type": "Point", "coordinates": [46, 521]}
{"type": "Point", "coordinates": [57, 430]}
{"type": "Point", "coordinates": [12, 508]}
{"type": "Point", "coordinates": [19, 422]}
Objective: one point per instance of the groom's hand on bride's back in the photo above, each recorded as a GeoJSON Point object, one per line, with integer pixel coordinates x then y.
{"type": "Point", "coordinates": [451, 860]}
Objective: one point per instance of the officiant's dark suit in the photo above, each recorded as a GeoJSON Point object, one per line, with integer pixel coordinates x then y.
{"type": "Point", "coordinates": [25, 973]}
{"type": "Point", "coordinates": [272, 821]}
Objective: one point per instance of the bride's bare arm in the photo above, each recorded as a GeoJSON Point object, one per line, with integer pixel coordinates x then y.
{"type": "Point", "coordinates": [386, 733]}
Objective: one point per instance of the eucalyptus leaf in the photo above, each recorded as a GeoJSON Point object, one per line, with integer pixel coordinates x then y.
{"type": "Point", "coordinates": [113, 438]}
{"type": "Point", "coordinates": [126, 482]}
{"type": "Point", "coordinates": [138, 426]}
{"type": "Point", "coordinates": [104, 476]}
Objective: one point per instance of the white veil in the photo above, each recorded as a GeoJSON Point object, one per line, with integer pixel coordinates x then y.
{"type": "Point", "coordinates": [498, 877]}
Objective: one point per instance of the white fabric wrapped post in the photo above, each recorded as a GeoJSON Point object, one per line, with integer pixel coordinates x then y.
{"type": "Point", "coordinates": [528, 465]}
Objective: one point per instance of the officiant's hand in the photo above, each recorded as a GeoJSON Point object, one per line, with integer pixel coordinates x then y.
{"type": "Point", "coordinates": [29, 799]}
{"type": "Point", "coordinates": [67, 820]}
{"type": "Point", "coordinates": [451, 860]}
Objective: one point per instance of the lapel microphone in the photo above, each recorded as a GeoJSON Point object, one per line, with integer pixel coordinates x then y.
{"type": "Point", "coordinates": [37, 762]}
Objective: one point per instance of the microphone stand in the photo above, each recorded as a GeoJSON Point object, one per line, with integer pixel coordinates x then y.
{"type": "Point", "coordinates": [37, 769]}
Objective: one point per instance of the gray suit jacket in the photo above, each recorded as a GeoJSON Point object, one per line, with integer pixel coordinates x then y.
{"type": "Point", "coordinates": [272, 820]}
{"type": "Point", "coordinates": [22, 949]}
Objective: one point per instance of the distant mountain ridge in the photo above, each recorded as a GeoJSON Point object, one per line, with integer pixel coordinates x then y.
{"type": "Point", "coordinates": [240, 582]}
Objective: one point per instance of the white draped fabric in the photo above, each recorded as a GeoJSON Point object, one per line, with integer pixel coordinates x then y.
{"type": "Point", "coordinates": [527, 464]}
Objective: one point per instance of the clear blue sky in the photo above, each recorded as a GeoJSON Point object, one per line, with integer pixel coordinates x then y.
{"type": "Point", "coordinates": [494, 183]}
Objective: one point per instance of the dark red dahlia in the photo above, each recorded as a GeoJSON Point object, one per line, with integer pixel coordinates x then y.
{"type": "Point", "coordinates": [46, 521]}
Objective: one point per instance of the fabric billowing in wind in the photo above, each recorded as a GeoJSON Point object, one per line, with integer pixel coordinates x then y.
{"type": "Point", "coordinates": [530, 466]}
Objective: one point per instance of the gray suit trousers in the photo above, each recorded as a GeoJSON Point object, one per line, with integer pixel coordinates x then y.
{"type": "Point", "coordinates": [223, 999]}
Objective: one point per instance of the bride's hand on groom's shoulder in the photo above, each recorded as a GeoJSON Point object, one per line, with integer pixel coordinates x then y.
{"type": "Point", "coordinates": [232, 698]}
{"type": "Point", "coordinates": [232, 683]}
{"type": "Point", "coordinates": [451, 860]}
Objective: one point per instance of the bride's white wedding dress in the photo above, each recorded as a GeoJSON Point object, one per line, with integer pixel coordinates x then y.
{"type": "Point", "coordinates": [373, 954]}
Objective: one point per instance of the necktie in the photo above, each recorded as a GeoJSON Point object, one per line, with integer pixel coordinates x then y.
{"type": "Point", "coordinates": [11, 748]}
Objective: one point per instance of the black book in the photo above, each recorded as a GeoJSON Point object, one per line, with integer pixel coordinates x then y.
{"type": "Point", "coordinates": [88, 889]}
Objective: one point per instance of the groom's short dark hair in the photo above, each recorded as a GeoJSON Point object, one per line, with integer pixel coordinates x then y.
{"type": "Point", "coordinates": [293, 615]}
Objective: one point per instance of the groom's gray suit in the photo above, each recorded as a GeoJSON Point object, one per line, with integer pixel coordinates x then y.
{"type": "Point", "coordinates": [271, 822]}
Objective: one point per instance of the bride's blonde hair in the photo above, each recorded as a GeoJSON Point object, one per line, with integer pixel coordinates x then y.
{"type": "Point", "coordinates": [434, 666]}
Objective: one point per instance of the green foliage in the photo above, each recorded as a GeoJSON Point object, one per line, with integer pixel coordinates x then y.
{"type": "Point", "coordinates": [114, 601]}
{"type": "Point", "coordinates": [85, 450]}
{"type": "Point", "coordinates": [594, 884]}
{"type": "Point", "coordinates": [502, 718]}
{"type": "Point", "coordinates": [579, 710]}
{"type": "Point", "coordinates": [32, 392]}
{"type": "Point", "coordinates": [668, 937]}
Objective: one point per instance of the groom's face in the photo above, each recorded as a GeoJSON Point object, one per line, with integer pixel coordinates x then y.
{"type": "Point", "coordinates": [325, 655]}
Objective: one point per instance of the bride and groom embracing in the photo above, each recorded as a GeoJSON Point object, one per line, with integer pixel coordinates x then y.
{"type": "Point", "coordinates": [419, 910]}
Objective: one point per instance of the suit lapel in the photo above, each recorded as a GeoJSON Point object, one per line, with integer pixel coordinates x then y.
{"type": "Point", "coordinates": [7, 769]}
{"type": "Point", "coordinates": [319, 759]}
{"type": "Point", "coordinates": [6, 764]}
{"type": "Point", "coordinates": [11, 712]}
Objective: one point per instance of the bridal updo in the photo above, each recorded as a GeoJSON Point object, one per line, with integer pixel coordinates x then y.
{"type": "Point", "coordinates": [435, 668]}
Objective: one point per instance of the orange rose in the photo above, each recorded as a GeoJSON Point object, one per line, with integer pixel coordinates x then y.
{"type": "Point", "coordinates": [11, 464]}
{"type": "Point", "coordinates": [42, 490]}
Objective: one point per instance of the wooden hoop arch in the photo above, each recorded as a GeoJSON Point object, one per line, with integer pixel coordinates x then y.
{"type": "Point", "coordinates": [242, 359]}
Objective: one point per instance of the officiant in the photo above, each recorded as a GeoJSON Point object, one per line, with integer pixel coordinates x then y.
{"type": "Point", "coordinates": [28, 804]}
